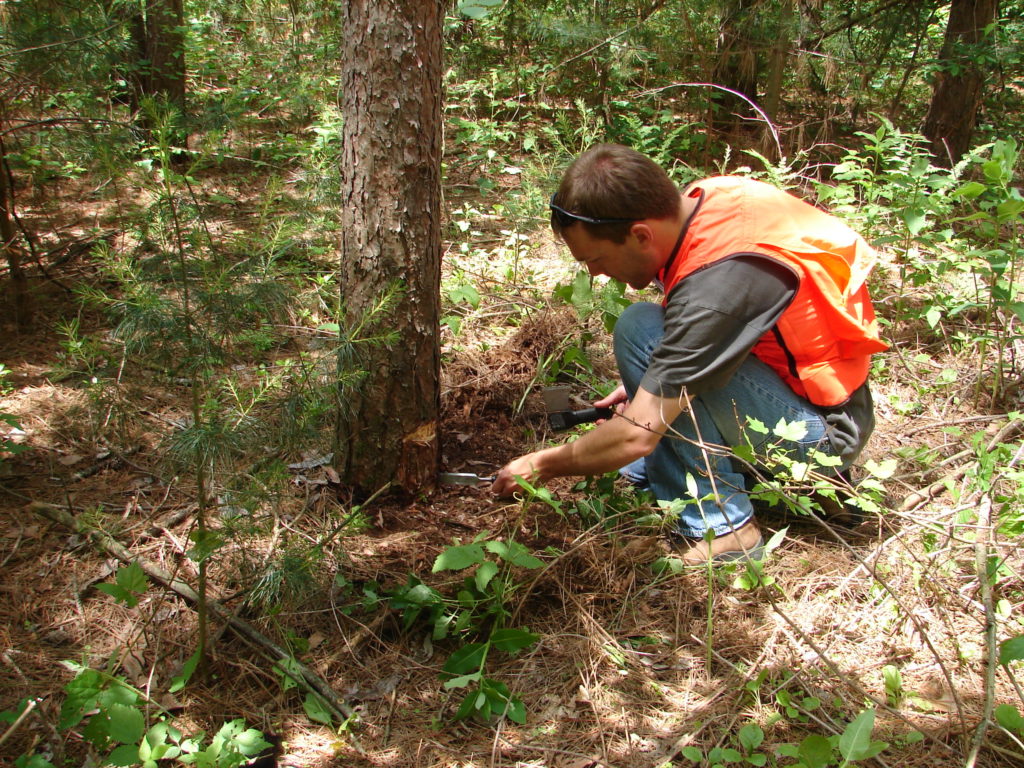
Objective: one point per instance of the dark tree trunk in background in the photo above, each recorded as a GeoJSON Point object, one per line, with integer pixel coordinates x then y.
{"type": "Point", "coordinates": [391, 231]}
{"type": "Point", "coordinates": [158, 36]}
{"type": "Point", "coordinates": [11, 250]}
{"type": "Point", "coordinates": [959, 82]}
{"type": "Point", "coordinates": [736, 66]}
{"type": "Point", "coordinates": [778, 65]}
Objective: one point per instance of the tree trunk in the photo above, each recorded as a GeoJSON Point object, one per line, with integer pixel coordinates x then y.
{"type": "Point", "coordinates": [736, 65]}
{"type": "Point", "coordinates": [778, 64]}
{"type": "Point", "coordinates": [959, 82]}
{"type": "Point", "coordinates": [391, 231]}
{"type": "Point", "coordinates": [12, 253]}
{"type": "Point", "coordinates": [165, 50]}
{"type": "Point", "coordinates": [158, 39]}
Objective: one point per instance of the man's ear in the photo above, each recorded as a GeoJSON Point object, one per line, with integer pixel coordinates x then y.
{"type": "Point", "coordinates": [642, 232]}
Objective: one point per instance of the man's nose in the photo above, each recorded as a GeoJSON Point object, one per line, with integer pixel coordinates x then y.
{"type": "Point", "coordinates": [592, 269]}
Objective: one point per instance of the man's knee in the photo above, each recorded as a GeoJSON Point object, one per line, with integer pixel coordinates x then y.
{"type": "Point", "coordinates": [637, 333]}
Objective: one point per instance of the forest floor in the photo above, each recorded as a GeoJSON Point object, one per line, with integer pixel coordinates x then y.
{"type": "Point", "coordinates": [633, 665]}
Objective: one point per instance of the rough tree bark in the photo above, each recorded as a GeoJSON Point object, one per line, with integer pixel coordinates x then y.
{"type": "Point", "coordinates": [959, 82]}
{"type": "Point", "coordinates": [391, 231]}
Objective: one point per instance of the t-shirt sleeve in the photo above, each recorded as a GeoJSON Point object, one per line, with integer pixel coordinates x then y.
{"type": "Point", "coordinates": [713, 318]}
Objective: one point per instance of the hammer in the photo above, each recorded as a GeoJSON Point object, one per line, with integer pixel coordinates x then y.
{"type": "Point", "coordinates": [561, 417]}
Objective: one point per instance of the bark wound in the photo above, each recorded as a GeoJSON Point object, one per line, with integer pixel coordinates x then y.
{"type": "Point", "coordinates": [417, 465]}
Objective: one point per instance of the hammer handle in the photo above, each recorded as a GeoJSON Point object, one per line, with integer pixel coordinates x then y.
{"type": "Point", "coordinates": [569, 419]}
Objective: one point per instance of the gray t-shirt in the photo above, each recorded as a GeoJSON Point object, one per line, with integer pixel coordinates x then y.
{"type": "Point", "coordinates": [715, 316]}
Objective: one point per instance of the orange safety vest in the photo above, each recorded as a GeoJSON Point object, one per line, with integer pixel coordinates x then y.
{"type": "Point", "coordinates": [823, 342]}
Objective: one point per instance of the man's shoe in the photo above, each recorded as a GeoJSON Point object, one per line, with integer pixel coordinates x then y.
{"type": "Point", "coordinates": [745, 543]}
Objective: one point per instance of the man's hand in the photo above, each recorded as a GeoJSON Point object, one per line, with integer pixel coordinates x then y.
{"type": "Point", "coordinates": [617, 399]}
{"type": "Point", "coordinates": [612, 444]}
{"type": "Point", "coordinates": [525, 466]}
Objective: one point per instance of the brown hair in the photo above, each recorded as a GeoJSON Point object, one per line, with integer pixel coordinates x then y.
{"type": "Point", "coordinates": [610, 181]}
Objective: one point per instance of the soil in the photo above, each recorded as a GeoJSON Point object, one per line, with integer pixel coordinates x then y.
{"type": "Point", "coordinates": [631, 665]}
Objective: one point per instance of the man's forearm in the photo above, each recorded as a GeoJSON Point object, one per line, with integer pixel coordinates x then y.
{"type": "Point", "coordinates": [607, 447]}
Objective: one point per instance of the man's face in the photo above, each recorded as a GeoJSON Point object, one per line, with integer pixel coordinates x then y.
{"type": "Point", "coordinates": [633, 262]}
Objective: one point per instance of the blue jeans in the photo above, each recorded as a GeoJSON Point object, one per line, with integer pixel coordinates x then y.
{"type": "Point", "coordinates": [719, 418]}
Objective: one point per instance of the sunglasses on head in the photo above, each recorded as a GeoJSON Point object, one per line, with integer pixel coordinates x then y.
{"type": "Point", "coordinates": [564, 218]}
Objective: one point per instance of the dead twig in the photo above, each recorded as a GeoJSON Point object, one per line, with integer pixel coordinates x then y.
{"type": "Point", "coordinates": [303, 675]}
{"type": "Point", "coordinates": [17, 723]}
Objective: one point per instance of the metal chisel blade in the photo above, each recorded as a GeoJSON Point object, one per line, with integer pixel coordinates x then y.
{"type": "Point", "coordinates": [463, 478]}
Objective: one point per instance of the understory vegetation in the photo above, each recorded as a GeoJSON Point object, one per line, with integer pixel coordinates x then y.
{"type": "Point", "coordinates": [188, 582]}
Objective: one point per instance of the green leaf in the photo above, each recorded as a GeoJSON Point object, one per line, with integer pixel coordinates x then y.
{"type": "Point", "coordinates": [515, 553]}
{"type": "Point", "coordinates": [467, 707]}
{"type": "Point", "coordinates": [855, 742]}
{"type": "Point", "coordinates": [788, 750]}
{"type": "Point", "coordinates": [466, 294]}
{"type": "Point", "coordinates": [126, 754]}
{"type": "Point", "coordinates": [1011, 650]}
{"type": "Point", "coordinates": [816, 751]}
{"type": "Point", "coordinates": [487, 571]}
{"type": "Point", "coordinates": [971, 190]}
{"type": "Point", "coordinates": [691, 486]}
{"type": "Point", "coordinates": [883, 470]}
{"type": "Point", "coordinates": [756, 425]}
{"type": "Point", "coordinates": [751, 736]}
{"type": "Point", "coordinates": [776, 540]}
{"type": "Point", "coordinates": [82, 693]}
{"type": "Point", "coordinates": [915, 220]}
{"type": "Point", "coordinates": [32, 761]}
{"type": "Point", "coordinates": [669, 565]}
{"type": "Point", "coordinates": [9, 716]}
{"type": "Point", "coordinates": [116, 692]}
{"type": "Point", "coordinates": [316, 710]}
{"type": "Point", "coordinates": [288, 672]}
{"type": "Point", "coordinates": [512, 640]}
{"type": "Point", "coordinates": [467, 659]}
{"type": "Point", "coordinates": [458, 557]}
{"type": "Point", "coordinates": [692, 754]}
{"type": "Point", "coordinates": [793, 431]}
{"type": "Point", "coordinates": [119, 593]}
{"type": "Point", "coordinates": [187, 670]}
{"type": "Point", "coordinates": [1009, 209]}
{"type": "Point", "coordinates": [250, 742]}
{"type": "Point", "coordinates": [126, 724]}
{"type": "Point", "coordinates": [1009, 717]}
{"type": "Point", "coordinates": [133, 578]}
{"type": "Point", "coordinates": [204, 544]}
{"type": "Point", "coordinates": [516, 711]}
{"type": "Point", "coordinates": [462, 681]}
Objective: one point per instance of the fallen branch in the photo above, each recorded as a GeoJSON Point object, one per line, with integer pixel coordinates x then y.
{"type": "Point", "coordinates": [304, 676]}
{"type": "Point", "coordinates": [934, 489]}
